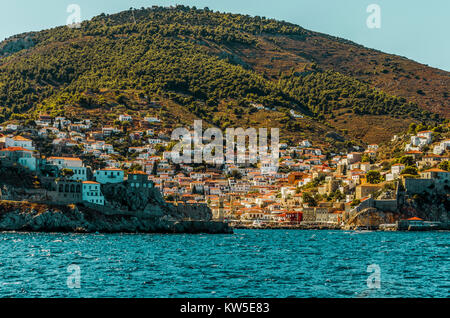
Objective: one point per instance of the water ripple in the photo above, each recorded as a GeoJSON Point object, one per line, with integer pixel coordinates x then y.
{"type": "Point", "coordinates": [259, 263]}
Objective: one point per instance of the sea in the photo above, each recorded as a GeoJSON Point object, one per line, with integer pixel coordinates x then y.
{"type": "Point", "coordinates": [248, 263]}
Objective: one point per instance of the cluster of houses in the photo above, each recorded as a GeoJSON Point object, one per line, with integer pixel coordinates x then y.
{"type": "Point", "coordinates": [420, 140]}
{"type": "Point", "coordinates": [235, 192]}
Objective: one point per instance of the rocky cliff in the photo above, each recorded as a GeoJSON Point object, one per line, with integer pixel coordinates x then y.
{"type": "Point", "coordinates": [22, 216]}
{"type": "Point", "coordinates": [149, 202]}
{"type": "Point", "coordinates": [127, 209]}
{"type": "Point", "coordinates": [430, 206]}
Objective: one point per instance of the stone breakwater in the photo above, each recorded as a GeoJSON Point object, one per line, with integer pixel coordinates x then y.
{"type": "Point", "coordinates": [30, 217]}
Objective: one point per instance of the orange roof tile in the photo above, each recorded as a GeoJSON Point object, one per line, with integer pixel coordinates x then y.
{"type": "Point", "coordinates": [138, 172]}
{"type": "Point", "coordinates": [436, 170]}
{"type": "Point", "coordinates": [12, 149]}
{"type": "Point", "coordinates": [64, 158]}
{"type": "Point", "coordinates": [20, 138]}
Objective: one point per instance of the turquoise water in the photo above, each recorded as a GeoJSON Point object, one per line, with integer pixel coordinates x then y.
{"type": "Point", "coordinates": [249, 263]}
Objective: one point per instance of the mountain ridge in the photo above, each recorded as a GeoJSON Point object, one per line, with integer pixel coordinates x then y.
{"type": "Point", "coordinates": [215, 66]}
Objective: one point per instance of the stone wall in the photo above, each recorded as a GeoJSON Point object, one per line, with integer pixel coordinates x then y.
{"type": "Point", "coordinates": [386, 205]}
{"type": "Point", "coordinates": [417, 186]}
{"type": "Point", "coordinates": [194, 211]}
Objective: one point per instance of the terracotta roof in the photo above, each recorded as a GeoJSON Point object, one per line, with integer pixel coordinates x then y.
{"type": "Point", "coordinates": [414, 151]}
{"type": "Point", "coordinates": [20, 138]}
{"type": "Point", "coordinates": [64, 158]}
{"type": "Point", "coordinates": [436, 170]}
{"type": "Point", "coordinates": [16, 149]}
{"type": "Point", "coordinates": [138, 172]}
{"type": "Point", "coordinates": [432, 156]}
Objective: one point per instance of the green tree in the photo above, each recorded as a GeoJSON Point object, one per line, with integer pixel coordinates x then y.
{"type": "Point", "coordinates": [67, 173]}
{"type": "Point", "coordinates": [309, 199]}
{"type": "Point", "coordinates": [374, 177]}
{"type": "Point", "coordinates": [445, 165]}
{"type": "Point", "coordinates": [235, 174]}
{"type": "Point", "coordinates": [412, 128]}
{"type": "Point", "coordinates": [365, 158]}
{"type": "Point", "coordinates": [410, 170]}
{"type": "Point", "coordinates": [407, 160]}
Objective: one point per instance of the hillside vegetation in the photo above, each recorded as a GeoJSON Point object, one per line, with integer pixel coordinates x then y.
{"type": "Point", "coordinates": [213, 66]}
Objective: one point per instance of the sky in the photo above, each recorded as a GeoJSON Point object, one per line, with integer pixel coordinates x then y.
{"type": "Point", "coordinates": [416, 29]}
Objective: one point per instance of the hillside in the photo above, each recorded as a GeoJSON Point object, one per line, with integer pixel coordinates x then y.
{"type": "Point", "coordinates": [215, 66]}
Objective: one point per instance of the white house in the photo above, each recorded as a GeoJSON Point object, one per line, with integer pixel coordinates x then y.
{"type": "Point", "coordinates": [125, 118]}
{"type": "Point", "coordinates": [442, 147]}
{"type": "Point", "coordinates": [65, 162]}
{"type": "Point", "coordinates": [92, 193]}
{"type": "Point", "coordinates": [61, 122]}
{"type": "Point", "coordinates": [74, 164]}
{"type": "Point", "coordinates": [395, 171]}
{"type": "Point", "coordinates": [154, 141]}
{"type": "Point", "coordinates": [108, 148]}
{"type": "Point", "coordinates": [13, 127]}
{"type": "Point", "coordinates": [365, 166]}
{"type": "Point", "coordinates": [61, 135]}
{"type": "Point", "coordinates": [419, 141]}
{"type": "Point", "coordinates": [20, 155]}
{"type": "Point", "coordinates": [79, 173]}
{"type": "Point", "coordinates": [109, 175]}
{"type": "Point", "coordinates": [397, 168]}
{"type": "Point", "coordinates": [428, 135]}
{"type": "Point", "coordinates": [19, 141]}
{"type": "Point", "coordinates": [44, 132]}
{"type": "Point", "coordinates": [305, 144]}
{"type": "Point", "coordinates": [152, 119]}
{"type": "Point", "coordinates": [108, 131]}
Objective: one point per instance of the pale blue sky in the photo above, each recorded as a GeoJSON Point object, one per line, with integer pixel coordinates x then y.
{"type": "Point", "coordinates": [416, 29]}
